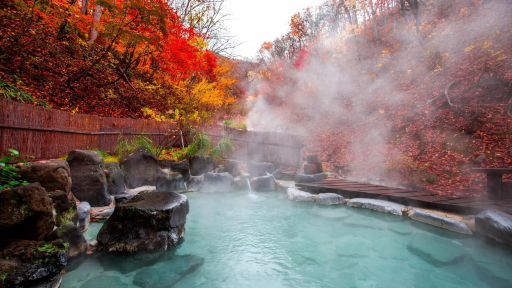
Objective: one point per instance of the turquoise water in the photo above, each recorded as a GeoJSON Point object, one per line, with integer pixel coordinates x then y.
{"type": "Point", "coordinates": [242, 239]}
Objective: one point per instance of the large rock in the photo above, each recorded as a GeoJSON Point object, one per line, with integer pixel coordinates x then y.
{"type": "Point", "coordinates": [330, 199]}
{"type": "Point", "coordinates": [241, 184]}
{"type": "Point", "coordinates": [495, 224]}
{"type": "Point", "coordinates": [443, 253]}
{"type": "Point", "coordinates": [231, 168]}
{"type": "Point", "coordinates": [120, 198]}
{"type": "Point", "coordinates": [377, 205]}
{"type": "Point", "coordinates": [260, 169]}
{"type": "Point", "coordinates": [152, 221]}
{"type": "Point", "coordinates": [32, 264]}
{"type": "Point", "coordinates": [301, 178]}
{"type": "Point", "coordinates": [166, 163]}
{"type": "Point", "coordinates": [83, 211]}
{"type": "Point", "coordinates": [25, 213]}
{"type": "Point", "coordinates": [77, 245]}
{"type": "Point", "coordinates": [140, 168]}
{"type": "Point", "coordinates": [172, 183]}
{"type": "Point", "coordinates": [52, 175]}
{"type": "Point", "coordinates": [65, 209]}
{"type": "Point", "coordinates": [88, 177]}
{"type": "Point", "coordinates": [264, 183]}
{"type": "Point", "coordinates": [217, 182]}
{"type": "Point", "coordinates": [115, 178]}
{"type": "Point", "coordinates": [182, 168]}
{"type": "Point", "coordinates": [300, 196]}
{"type": "Point", "coordinates": [285, 176]}
{"type": "Point", "coordinates": [440, 221]}
{"type": "Point", "coordinates": [200, 165]}
{"type": "Point", "coordinates": [195, 183]}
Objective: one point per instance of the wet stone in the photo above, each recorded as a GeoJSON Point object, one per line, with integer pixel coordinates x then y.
{"type": "Point", "coordinates": [445, 253]}
{"type": "Point", "coordinates": [495, 224]}
{"type": "Point", "coordinates": [377, 205]}
{"type": "Point", "coordinates": [264, 183]}
{"type": "Point", "coordinates": [440, 221]}
{"type": "Point", "coordinates": [217, 182]}
{"type": "Point", "coordinates": [300, 196]}
{"type": "Point", "coordinates": [330, 199]}
{"type": "Point", "coordinates": [83, 211]}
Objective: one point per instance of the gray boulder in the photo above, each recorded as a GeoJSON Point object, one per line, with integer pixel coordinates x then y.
{"type": "Point", "coordinates": [166, 163]}
{"type": "Point", "coordinates": [231, 168]}
{"type": "Point", "coordinates": [83, 211]}
{"type": "Point", "coordinates": [495, 224]}
{"type": "Point", "coordinates": [241, 184]}
{"type": "Point", "coordinates": [300, 196]}
{"type": "Point", "coordinates": [120, 198]}
{"type": "Point", "coordinates": [52, 175]}
{"type": "Point", "coordinates": [285, 176]}
{"type": "Point", "coordinates": [172, 183]}
{"type": "Point", "coordinates": [150, 221]}
{"type": "Point", "coordinates": [377, 205]}
{"type": "Point", "coordinates": [260, 169]}
{"type": "Point", "coordinates": [195, 183]}
{"type": "Point", "coordinates": [200, 165]}
{"type": "Point", "coordinates": [217, 182]}
{"type": "Point", "coordinates": [70, 234]}
{"type": "Point", "coordinates": [182, 168]}
{"type": "Point", "coordinates": [115, 178]}
{"type": "Point", "coordinates": [264, 183]}
{"type": "Point", "coordinates": [330, 199]}
{"type": "Point", "coordinates": [88, 178]}
{"type": "Point", "coordinates": [140, 168]}
{"type": "Point", "coordinates": [440, 221]}
{"type": "Point", "coordinates": [302, 178]}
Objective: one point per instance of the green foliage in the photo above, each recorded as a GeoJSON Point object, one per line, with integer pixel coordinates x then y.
{"type": "Point", "coordinates": [107, 156]}
{"type": "Point", "coordinates": [125, 145]}
{"type": "Point", "coordinates": [228, 123]}
{"type": "Point", "coordinates": [203, 146]}
{"type": "Point", "coordinates": [10, 92]}
{"type": "Point", "coordinates": [235, 125]}
{"type": "Point", "coordinates": [8, 176]}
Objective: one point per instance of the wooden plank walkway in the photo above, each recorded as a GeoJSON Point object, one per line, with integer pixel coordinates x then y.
{"type": "Point", "coordinates": [431, 200]}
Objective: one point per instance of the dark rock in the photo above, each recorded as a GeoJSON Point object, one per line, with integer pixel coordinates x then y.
{"type": "Point", "coordinates": [71, 235]}
{"type": "Point", "coordinates": [231, 168]}
{"type": "Point", "coordinates": [312, 159]}
{"type": "Point", "coordinates": [32, 264]}
{"type": "Point", "coordinates": [264, 183]}
{"type": "Point", "coordinates": [83, 211]}
{"type": "Point", "coordinates": [115, 179]}
{"type": "Point", "coordinates": [495, 224]}
{"type": "Point", "coordinates": [319, 168]}
{"type": "Point", "coordinates": [120, 198]}
{"type": "Point", "coordinates": [310, 169]}
{"type": "Point", "coordinates": [88, 177]}
{"type": "Point", "coordinates": [140, 168]}
{"type": "Point", "coordinates": [171, 183]}
{"type": "Point", "coordinates": [26, 213]}
{"type": "Point", "coordinates": [444, 253]}
{"type": "Point", "coordinates": [65, 209]}
{"type": "Point", "coordinates": [301, 178]}
{"type": "Point", "coordinates": [182, 168]}
{"type": "Point", "coordinates": [127, 263]}
{"type": "Point", "coordinates": [165, 163]}
{"type": "Point", "coordinates": [168, 273]}
{"type": "Point", "coordinates": [150, 221]}
{"type": "Point", "coordinates": [241, 184]}
{"type": "Point", "coordinates": [200, 165]}
{"type": "Point", "coordinates": [52, 175]}
{"type": "Point", "coordinates": [330, 199]}
{"type": "Point", "coordinates": [217, 182]}
{"type": "Point", "coordinates": [284, 176]}
{"type": "Point", "coordinates": [195, 183]}
{"type": "Point", "coordinates": [260, 169]}
{"type": "Point", "coordinates": [105, 282]}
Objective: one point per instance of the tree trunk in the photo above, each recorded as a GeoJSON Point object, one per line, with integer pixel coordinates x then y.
{"type": "Point", "coordinates": [83, 10]}
{"type": "Point", "coordinates": [415, 7]}
{"type": "Point", "coordinates": [94, 29]}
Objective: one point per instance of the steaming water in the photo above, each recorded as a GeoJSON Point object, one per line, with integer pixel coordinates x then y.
{"type": "Point", "coordinates": [248, 184]}
{"type": "Point", "coordinates": [265, 240]}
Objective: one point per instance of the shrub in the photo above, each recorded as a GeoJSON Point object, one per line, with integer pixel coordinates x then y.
{"type": "Point", "coordinates": [8, 176]}
{"type": "Point", "coordinates": [125, 145]}
{"type": "Point", "coordinates": [202, 146]}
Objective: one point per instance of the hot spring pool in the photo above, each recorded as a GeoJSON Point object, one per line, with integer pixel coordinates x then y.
{"type": "Point", "coordinates": [242, 239]}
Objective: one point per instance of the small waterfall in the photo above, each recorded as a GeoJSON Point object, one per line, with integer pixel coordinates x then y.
{"type": "Point", "coordinates": [248, 184]}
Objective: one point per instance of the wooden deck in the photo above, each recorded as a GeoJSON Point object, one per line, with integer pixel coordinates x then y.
{"type": "Point", "coordinates": [352, 189]}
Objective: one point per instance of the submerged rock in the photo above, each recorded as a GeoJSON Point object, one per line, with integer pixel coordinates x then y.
{"type": "Point", "coordinates": [302, 178]}
{"type": "Point", "coordinates": [495, 224]}
{"type": "Point", "coordinates": [400, 228]}
{"type": "Point", "coordinates": [172, 183]}
{"type": "Point", "coordinates": [152, 221]}
{"type": "Point", "coordinates": [71, 235]}
{"type": "Point", "coordinates": [217, 182]}
{"type": "Point", "coordinates": [166, 274]}
{"type": "Point", "coordinates": [65, 209]}
{"type": "Point", "coordinates": [436, 250]}
{"type": "Point", "coordinates": [88, 178]}
{"type": "Point", "coordinates": [493, 268]}
{"type": "Point", "coordinates": [440, 221]}
{"type": "Point", "coordinates": [32, 264]}
{"type": "Point", "coordinates": [105, 282]}
{"type": "Point", "coordinates": [377, 205]}
{"type": "Point", "coordinates": [83, 211]}
{"type": "Point", "coordinates": [26, 213]}
{"type": "Point", "coordinates": [260, 169]}
{"type": "Point", "coordinates": [200, 165]}
{"type": "Point", "coordinates": [115, 178]}
{"type": "Point", "coordinates": [264, 183]}
{"type": "Point", "coordinates": [330, 199]}
{"type": "Point", "coordinates": [127, 263]}
{"type": "Point", "coordinates": [353, 246]}
{"type": "Point", "coordinates": [300, 196]}
{"type": "Point", "coordinates": [140, 168]}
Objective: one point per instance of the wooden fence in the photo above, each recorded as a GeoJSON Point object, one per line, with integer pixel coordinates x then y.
{"type": "Point", "coordinates": [277, 148]}
{"type": "Point", "coordinates": [47, 133]}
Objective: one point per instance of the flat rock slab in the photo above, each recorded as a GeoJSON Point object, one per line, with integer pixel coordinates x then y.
{"type": "Point", "coordinates": [137, 190]}
{"type": "Point", "coordinates": [435, 250]}
{"type": "Point", "coordinates": [300, 196]}
{"type": "Point", "coordinates": [377, 205]}
{"type": "Point", "coordinates": [326, 212]}
{"type": "Point", "coordinates": [440, 221]}
{"type": "Point", "coordinates": [495, 224]}
{"type": "Point", "coordinates": [330, 199]}
{"type": "Point", "coordinates": [302, 178]}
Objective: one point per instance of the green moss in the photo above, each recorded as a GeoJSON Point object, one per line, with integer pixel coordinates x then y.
{"type": "Point", "coordinates": [50, 248]}
{"type": "Point", "coordinates": [3, 276]}
{"type": "Point", "coordinates": [66, 217]}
